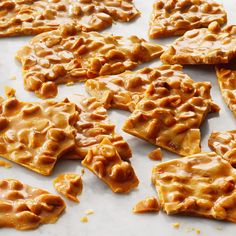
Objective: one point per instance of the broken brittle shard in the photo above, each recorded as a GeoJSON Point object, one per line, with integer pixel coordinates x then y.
{"type": "Point", "coordinates": [171, 113]}
{"type": "Point", "coordinates": [105, 162]}
{"type": "Point", "coordinates": [24, 207]}
{"type": "Point", "coordinates": [28, 17]}
{"type": "Point", "coordinates": [212, 45]}
{"type": "Point", "coordinates": [148, 205]}
{"type": "Point", "coordinates": [202, 185]}
{"type": "Point", "coordinates": [175, 17]}
{"type": "Point", "coordinates": [70, 55]}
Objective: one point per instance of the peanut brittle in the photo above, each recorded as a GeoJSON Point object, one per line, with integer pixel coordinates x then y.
{"type": "Point", "coordinates": [175, 17]}
{"type": "Point", "coordinates": [23, 207]}
{"type": "Point", "coordinates": [171, 113]}
{"type": "Point", "coordinates": [69, 185]}
{"type": "Point", "coordinates": [70, 55]}
{"type": "Point", "coordinates": [92, 127]}
{"type": "Point", "coordinates": [226, 75]}
{"type": "Point", "coordinates": [105, 162]}
{"type": "Point", "coordinates": [202, 184]}
{"type": "Point", "coordinates": [124, 91]}
{"type": "Point", "coordinates": [150, 204]}
{"type": "Point", "coordinates": [27, 17]}
{"type": "Point", "coordinates": [34, 134]}
{"type": "Point", "coordinates": [211, 45]}
{"type": "Point", "coordinates": [224, 144]}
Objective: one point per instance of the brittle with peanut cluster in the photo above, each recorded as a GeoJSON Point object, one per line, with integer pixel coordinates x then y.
{"type": "Point", "coordinates": [24, 207]}
{"type": "Point", "coordinates": [202, 185]}
{"type": "Point", "coordinates": [27, 17]}
{"type": "Point", "coordinates": [125, 90]}
{"type": "Point", "coordinates": [35, 135]}
{"type": "Point", "coordinates": [148, 205]}
{"type": "Point", "coordinates": [212, 45]}
{"type": "Point", "coordinates": [175, 17]}
{"type": "Point", "coordinates": [70, 55]}
{"type": "Point", "coordinates": [171, 113]}
{"type": "Point", "coordinates": [105, 162]}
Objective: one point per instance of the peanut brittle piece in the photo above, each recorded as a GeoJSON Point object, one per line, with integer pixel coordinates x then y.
{"type": "Point", "coordinates": [35, 134]}
{"type": "Point", "coordinates": [105, 162]}
{"type": "Point", "coordinates": [224, 144]}
{"type": "Point", "coordinates": [226, 75]}
{"type": "Point", "coordinates": [175, 17]}
{"type": "Point", "coordinates": [70, 55]}
{"type": "Point", "coordinates": [171, 113]}
{"type": "Point", "coordinates": [69, 185]}
{"type": "Point", "coordinates": [202, 184]}
{"type": "Point", "coordinates": [211, 45]}
{"type": "Point", "coordinates": [92, 127]}
{"type": "Point", "coordinates": [24, 207]}
{"type": "Point", "coordinates": [148, 205]}
{"type": "Point", "coordinates": [124, 91]}
{"type": "Point", "coordinates": [27, 17]}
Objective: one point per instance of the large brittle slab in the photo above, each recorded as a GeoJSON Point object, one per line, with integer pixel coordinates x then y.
{"type": "Point", "coordinates": [224, 144]}
{"type": "Point", "coordinates": [34, 134]}
{"type": "Point", "coordinates": [171, 113]}
{"type": "Point", "coordinates": [24, 207]}
{"type": "Point", "coordinates": [70, 55]}
{"type": "Point", "coordinates": [125, 90]}
{"type": "Point", "coordinates": [106, 163]}
{"type": "Point", "coordinates": [92, 127]}
{"type": "Point", "coordinates": [211, 45]}
{"type": "Point", "coordinates": [226, 75]}
{"type": "Point", "coordinates": [175, 17]}
{"type": "Point", "coordinates": [202, 184]}
{"type": "Point", "coordinates": [27, 17]}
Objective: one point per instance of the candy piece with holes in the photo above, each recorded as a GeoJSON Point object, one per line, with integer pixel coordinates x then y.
{"type": "Point", "coordinates": [171, 113]}
{"type": "Point", "coordinates": [211, 45]}
{"type": "Point", "coordinates": [70, 185]}
{"type": "Point", "coordinates": [105, 162]}
{"type": "Point", "coordinates": [125, 90]}
{"type": "Point", "coordinates": [26, 17]}
{"type": "Point", "coordinates": [148, 205]}
{"type": "Point", "coordinates": [35, 134]}
{"type": "Point", "coordinates": [24, 207]}
{"type": "Point", "coordinates": [175, 17]}
{"type": "Point", "coordinates": [70, 55]}
{"type": "Point", "coordinates": [202, 184]}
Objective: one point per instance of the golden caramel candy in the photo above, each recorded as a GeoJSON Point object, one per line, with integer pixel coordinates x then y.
{"type": "Point", "coordinates": [211, 45]}
{"type": "Point", "coordinates": [171, 113]}
{"type": "Point", "coordinates": [23, 207]}
{"type": "Point", "coordinates": [9, 92]}
{"type": "Point", "coordinates": [105, 162]}
{"type": "Point", "coordinates": [70, 185]}
{"type": "Point", "coordinates": [5, 164]}
{"type": "Point", "coordinates": [27, 17]}
{"type": "Point", "coordinates": [125, 90]}
{"type": "Point", "coordinates": [175, 17]}
{"type": "Point", "coordinates": [155, 155]}
{"type": "Point", "coordinates": [148, 205]}
{"type": "Point", "coordinates": [226, 75]}
{"type": "Point", "coordinates": [34, 134]}
{"type": "Point", "coordinates": [70, 55]}
{"type": "Point", "coordinates": [92, 127]}
{"type": "Point", "coordinates": [224, 144]}
{"type": "Point", "coordinates": [202, 185]}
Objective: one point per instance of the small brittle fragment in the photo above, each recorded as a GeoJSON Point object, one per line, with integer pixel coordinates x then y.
{"type": "Point", "coordinates": [35, 134]}
{"type": "Point", "coordinates": [70, 185]}
{"type": "Point", "coordinates": [175, 17]}
{"type": "Point", "coordinates": [125, 90]}
{"type": "Point", "coordinates": [201, 184]}
{"type": "Point", "coordinates": [24, 17]}
{"type": "Point", "coordinates": [171, 113]}
{"type": "Point", "coordinates": [212, 45]}
{"type": "Point", "coordinates": [148, 205]}
{"type": "Point", "coordinates": [24, 207]}
{"type": "Point", "coordinates": [224, 144]}
{"type": "Point", "coordinates": [105, 162]}
{"type": "Point", "coordinates": [70, 55]}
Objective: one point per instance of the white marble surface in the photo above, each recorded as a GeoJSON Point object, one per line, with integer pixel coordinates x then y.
{"type": "Point", "coordinates": [113, 214]}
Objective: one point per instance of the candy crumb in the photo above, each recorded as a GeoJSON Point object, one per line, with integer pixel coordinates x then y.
{"type": "Point", "coordinates": [84, 219]}
{"type": "Point", "coordinates": [89, 212]}
{"type": "Point", "coordinates": [176, 225]}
